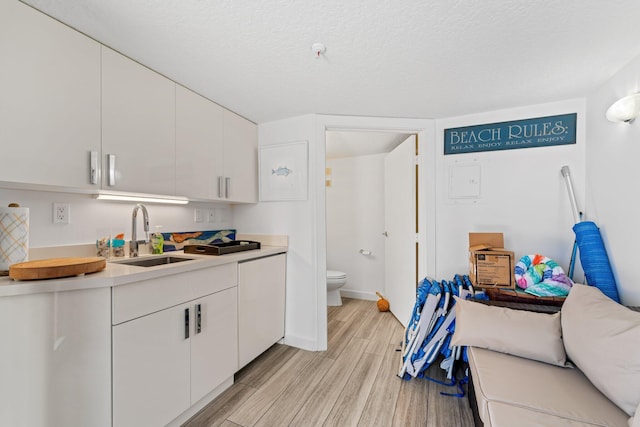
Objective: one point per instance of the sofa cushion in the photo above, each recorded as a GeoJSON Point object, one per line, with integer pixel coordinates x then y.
{"type": "Point", "coordinates": [635, 420]}
{"type": "Point", "coordinates": [503, 383]}
{"type": "Point", "coordinates": [521, 333]}
{"type": "Point", "coordinates": [602, 338]}
{"type": "Point", "coordinates": [503, 414]}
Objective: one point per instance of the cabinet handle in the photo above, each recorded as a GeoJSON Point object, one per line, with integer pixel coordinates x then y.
{"type": "Point", "coordinates": [220, 186]}
{"type": "Point", "coordinates": [111, 166]}
{"type": "Point", "coordinates": [198, 318]}
{"type": "Point", "coordinates": [186, 323]}
{"type": "Point", "coordinates": [227, 187]}
{"type": "Point", "coordinates": [93, 167]}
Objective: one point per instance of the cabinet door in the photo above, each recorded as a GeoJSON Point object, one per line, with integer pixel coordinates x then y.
{"type": "Point", "coordinates": [50, 99]}
{"type": "Point", "coordinates": [151, 369]}
{"type": "Point", "coordinates": [138, 126]}
{"type": "Point", "coordinates": [55, 364]}
{"type": "Point", "coordinates": [199, 149]}
{"type": "Point", "coordinates": [241, 158]}
{"type": "Point", "coordinates": [261, 302]}
{"type": "Point", "coordinates": [214, 347]}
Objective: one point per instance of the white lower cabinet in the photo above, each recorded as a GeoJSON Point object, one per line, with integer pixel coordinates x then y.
{"type": "Point", "coordinates": [166, 360]}
{"type": "Point", "coordinates": [151, 377]}
{"type": "Point", "coordinates": [214, 349]}
{"type": "Point", "coordinates": [55, 368]}
{"type": "Point", "coordinates": [141, 354]}
{"type": "Point", "coordinates": [261, 304]}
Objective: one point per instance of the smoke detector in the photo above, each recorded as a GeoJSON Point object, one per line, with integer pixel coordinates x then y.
{"type": "Point", "coordinates": [318, 49]}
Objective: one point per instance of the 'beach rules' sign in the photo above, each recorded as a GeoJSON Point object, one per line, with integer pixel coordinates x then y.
{"type": "Point", "coordinates": [538, 132]}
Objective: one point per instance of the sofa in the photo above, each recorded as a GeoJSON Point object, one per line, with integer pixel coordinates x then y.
{"type": "Point", "coordinates": [577, 367]}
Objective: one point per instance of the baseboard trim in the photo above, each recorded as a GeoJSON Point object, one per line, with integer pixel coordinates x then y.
{"type": "Point", "coordinates": [302, 343]}
{"type": "Point", "coordinates": [365, 295]}
{"type": "Point", "coordinates": [198, 406]}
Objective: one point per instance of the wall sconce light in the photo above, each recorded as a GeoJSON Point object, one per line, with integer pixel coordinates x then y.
{"type": "Point", "coordinates": [625, 109]}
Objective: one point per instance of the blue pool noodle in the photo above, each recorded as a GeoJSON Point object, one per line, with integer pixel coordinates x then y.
{"type": "Point", "coordinates": [594, 259]}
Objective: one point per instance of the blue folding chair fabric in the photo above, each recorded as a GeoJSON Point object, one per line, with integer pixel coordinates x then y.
{"type": "Point", "coordinates": [433, 329]}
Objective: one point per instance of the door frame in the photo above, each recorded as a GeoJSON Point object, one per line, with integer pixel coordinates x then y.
{"type": "Point", "coordinates": [425, 129]}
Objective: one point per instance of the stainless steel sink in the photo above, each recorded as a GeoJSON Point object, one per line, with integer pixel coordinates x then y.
{"type": "Point", "coordinates": [153, 261]}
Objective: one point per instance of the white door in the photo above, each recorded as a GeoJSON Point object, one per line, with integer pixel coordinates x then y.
{"type": "Point", "coordinates": [400, 229]}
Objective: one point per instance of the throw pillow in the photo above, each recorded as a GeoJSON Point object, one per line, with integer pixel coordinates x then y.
{"type": "Point", "coordinates": [527, 334]}
{"type": "Point", "coordinates": [602, 338]}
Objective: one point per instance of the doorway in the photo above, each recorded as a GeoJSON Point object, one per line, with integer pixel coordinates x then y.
{"type": "Point", "coordinates": [372, 216]}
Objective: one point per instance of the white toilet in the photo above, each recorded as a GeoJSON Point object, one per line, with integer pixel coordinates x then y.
{"type": "Point", "coordinates": [335, 280]}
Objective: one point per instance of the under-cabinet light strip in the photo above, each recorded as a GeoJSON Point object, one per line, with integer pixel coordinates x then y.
{"type": "Point", "coordinates": [147, 199]}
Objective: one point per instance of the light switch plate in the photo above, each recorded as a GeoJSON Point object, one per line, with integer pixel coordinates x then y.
{"type": "Point", "coordinates": [198, 217]}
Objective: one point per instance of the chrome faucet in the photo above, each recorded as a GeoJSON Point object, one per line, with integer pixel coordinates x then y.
{"type": "Point", "coordinates": [133, 244]}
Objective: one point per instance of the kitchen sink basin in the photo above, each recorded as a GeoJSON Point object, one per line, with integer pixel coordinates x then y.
{"type": "Point", "coordinates": [153, 261]}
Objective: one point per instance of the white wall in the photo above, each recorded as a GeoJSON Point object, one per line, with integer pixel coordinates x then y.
{"type": "Point", "coordinates": [88, 216]}
{"type": "Point", "coordinates": [613, 202]}
{"type": "Point", "coordinates": [297, 219]}
{"type": "Point", "coordinates": [355, 220]}
{"type": "Point", "coordinates": [522, 192]}
{"type": "Point", "coordinates": [304, 221]}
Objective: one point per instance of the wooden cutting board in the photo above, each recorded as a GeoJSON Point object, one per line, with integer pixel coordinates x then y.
{"type": "Point", "coordinates": [55, 267]}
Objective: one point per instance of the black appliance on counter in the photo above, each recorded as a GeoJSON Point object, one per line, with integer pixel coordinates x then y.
{"type": "Point", "coordinates": [222, 248]}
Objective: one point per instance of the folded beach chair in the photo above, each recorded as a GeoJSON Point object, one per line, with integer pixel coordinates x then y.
{"type": "Point", "coordinates": [428, 296]}
{"type": "Point", "coordinates": [433, 337]}
{"type": "Point", "coordinates": [431, 346]}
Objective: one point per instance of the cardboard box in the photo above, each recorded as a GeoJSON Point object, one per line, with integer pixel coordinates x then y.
{"type": "Point", "coordinates": [490, 265]}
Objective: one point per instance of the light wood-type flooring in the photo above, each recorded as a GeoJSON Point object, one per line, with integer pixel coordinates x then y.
{"type": "Point", "coordinates": [353, 383]}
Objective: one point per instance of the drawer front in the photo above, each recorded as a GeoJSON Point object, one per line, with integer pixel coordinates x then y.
{"type": "Point", "coordinates": [148, 296]}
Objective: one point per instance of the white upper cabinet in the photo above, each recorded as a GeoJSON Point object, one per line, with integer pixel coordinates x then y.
{"type": "Point", "coordinates": [240, 159]}
{"type": "Point", "coordinates": [199, 145]}
{"type": "Point", "coordinates": [216, 151]}
{"type": "Point", "coordinates": [138, 127]}
{"type": "Point", "coordinates": [77, 115]}
{"type": "Point", "coordinates": [50, 99]}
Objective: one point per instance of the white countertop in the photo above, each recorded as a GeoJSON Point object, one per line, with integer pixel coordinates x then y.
{"type": "Point", "coordinates": [121, 274]}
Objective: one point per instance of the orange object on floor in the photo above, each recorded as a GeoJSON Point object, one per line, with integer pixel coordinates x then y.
{"type": "Point", "coordinates": [383, 304]}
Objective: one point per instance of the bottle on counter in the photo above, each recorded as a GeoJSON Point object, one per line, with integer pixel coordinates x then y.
{"type": "Point", "coordinates": [117, 245]}
{"type": "Point", "coordinates": [157, 241]}
{"type": "Point", "coordinates": [103, 243]}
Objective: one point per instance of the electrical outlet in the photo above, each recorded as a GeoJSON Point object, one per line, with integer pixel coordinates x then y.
{"type": "Point", "coordinates": [198, 215]}
{"type": "Point", "coordinates": [211, 215]}
{"type": "Point", "coordinates": [61, 213]}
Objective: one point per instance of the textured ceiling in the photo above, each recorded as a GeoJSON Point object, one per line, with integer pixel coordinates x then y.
{"type": "Point", "coordinates": [388, 58]}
